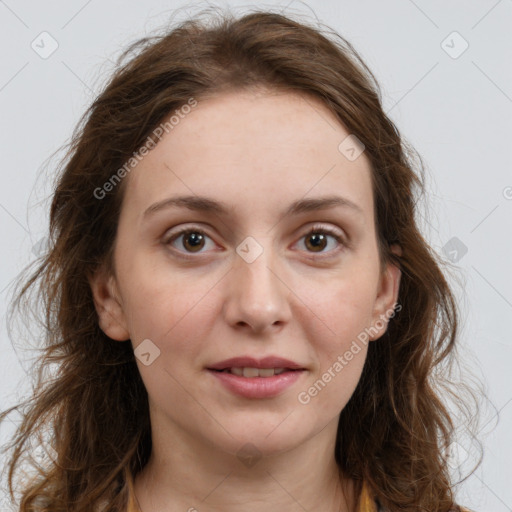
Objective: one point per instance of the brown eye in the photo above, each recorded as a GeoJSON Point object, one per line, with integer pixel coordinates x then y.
{"type": "Point", "coordinates": [316, 242]}
{"type": "Point", "coordinates": [189, 241]}
{"type": "Point", "coordinates": [322, 240]}
{"type": "Point", "coordinates": [193, 241]}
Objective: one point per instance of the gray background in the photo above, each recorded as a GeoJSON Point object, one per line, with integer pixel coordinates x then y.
{"type": "Point", "coordinates": [452, 103]}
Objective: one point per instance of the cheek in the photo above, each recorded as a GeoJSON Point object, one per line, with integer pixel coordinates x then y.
{"type": "Point", "coordinates": [335, 318]}
{"type": "Point", "coordinates": [336, 333]}
{"type": "Point", "coordinates": [160, 302]}
{"type": "Point", "coordinates": [338, 309]}
{"type": "Point", "coordinates": [176, 313]}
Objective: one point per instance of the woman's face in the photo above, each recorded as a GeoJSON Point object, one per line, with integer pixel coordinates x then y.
{"type": "Point", "coordinates": [248, 281]}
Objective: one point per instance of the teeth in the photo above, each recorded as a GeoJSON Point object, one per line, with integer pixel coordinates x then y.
{"type": "Point", "coordinates": [255, 372]}
{"type": "Point", "coordinates": [251, 372]}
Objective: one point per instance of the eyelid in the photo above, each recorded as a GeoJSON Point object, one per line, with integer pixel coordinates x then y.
{"type": "Point", "coordinates": [170, 237]}
{"type": "Point", "coordinates": [330, 231]}
{"type": "Point", "coordinates": [337, 234]}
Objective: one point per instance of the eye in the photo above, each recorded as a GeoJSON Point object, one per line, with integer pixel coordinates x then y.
{"type": "Point", "coordinates": [317, 239]}
{"type": "Point", "coordinates": [193, 240]}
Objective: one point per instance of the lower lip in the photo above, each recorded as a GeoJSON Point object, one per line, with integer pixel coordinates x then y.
{"type": "Point", "coordinates": [258, 387]}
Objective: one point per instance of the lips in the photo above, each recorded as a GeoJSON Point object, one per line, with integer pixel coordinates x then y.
{"type": "Point", "coordinates": [250, 362]}
{"type": "Point", "coordinates": [257, 378]}
{"type": "Point", "coordinates": [249, 372]}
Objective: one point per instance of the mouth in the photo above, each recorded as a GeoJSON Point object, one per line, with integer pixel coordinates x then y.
{"type": "Point", "coordinates": [248, 366]}
{"type": "Point", "coordinates": [251, 372]}
{"type": "Point", "coordinates": [253, 378]}
{"type": "Point", "coordinates": [256, 383]}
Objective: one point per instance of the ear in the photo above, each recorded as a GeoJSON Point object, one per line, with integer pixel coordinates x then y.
{"type": "Point", "coordinates": [387, 297]}
{"type": "Point", "coordinates": [108, 305]}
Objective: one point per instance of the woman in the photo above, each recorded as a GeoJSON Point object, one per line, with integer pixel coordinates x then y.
{"type": "Point", "coordinates": [243, 310]}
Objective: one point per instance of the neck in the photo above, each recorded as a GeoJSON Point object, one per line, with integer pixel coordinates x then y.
{"type": "Point", "coordinates": [185, 475]}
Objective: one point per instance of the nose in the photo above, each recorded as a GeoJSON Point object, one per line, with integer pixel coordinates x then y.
{"type": "Point", "coordinates": [257, 296]}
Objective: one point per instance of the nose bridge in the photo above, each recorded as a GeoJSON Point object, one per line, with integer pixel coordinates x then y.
{"type": "Point", "coordinates": [257, 297]}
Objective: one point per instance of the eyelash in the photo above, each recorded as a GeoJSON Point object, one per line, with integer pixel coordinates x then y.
{"type": "Point", "coordinates": [313, 230]}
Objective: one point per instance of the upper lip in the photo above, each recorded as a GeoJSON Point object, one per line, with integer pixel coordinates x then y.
{"type": "Point", "coordinates": [251, 362]}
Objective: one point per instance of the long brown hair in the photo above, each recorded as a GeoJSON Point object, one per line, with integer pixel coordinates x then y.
{"type": "Point", "coordinates": [393, 432]}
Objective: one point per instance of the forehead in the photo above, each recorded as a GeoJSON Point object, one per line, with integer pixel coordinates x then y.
{"type": "Point", "coordinates": [254, 149]}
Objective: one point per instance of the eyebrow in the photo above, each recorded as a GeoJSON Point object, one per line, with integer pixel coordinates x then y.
{"type": "Point", "coordinates": [208, 205]}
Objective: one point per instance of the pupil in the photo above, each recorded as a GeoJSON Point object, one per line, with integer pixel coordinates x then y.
{"type": "Point", "coordinates": [195, 240]}
{"type": "Point", "coordinates": [318, 240]}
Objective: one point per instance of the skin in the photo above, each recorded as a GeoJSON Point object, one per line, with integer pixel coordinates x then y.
{"type": "Point", "coordinates": [257, 152]}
